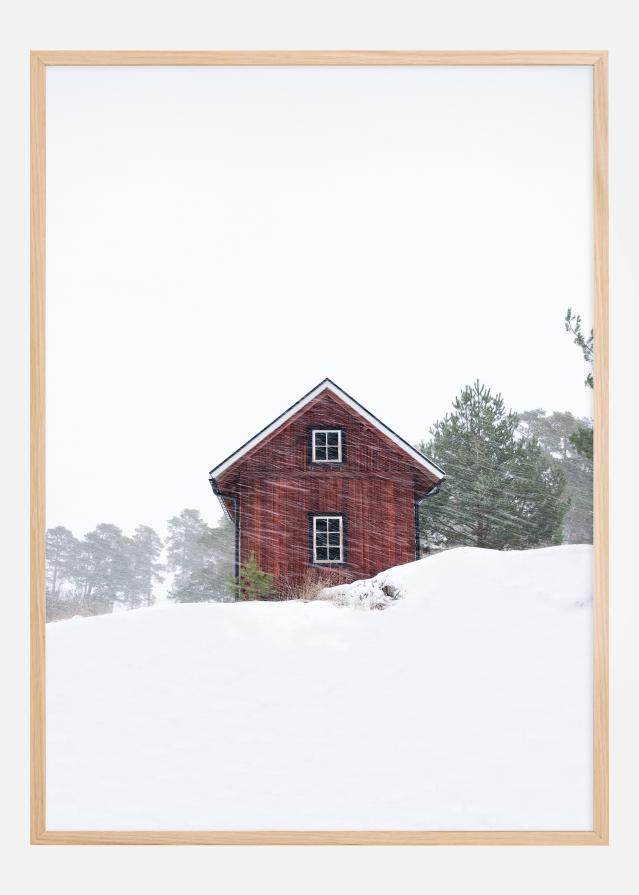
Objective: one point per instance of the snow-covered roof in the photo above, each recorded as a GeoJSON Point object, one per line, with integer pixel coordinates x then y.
{"type": "Point", "coordinates": [327, 385]}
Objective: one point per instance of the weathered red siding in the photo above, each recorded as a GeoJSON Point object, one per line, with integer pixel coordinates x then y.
{"type": "Point", "coordinates": [279, 487]}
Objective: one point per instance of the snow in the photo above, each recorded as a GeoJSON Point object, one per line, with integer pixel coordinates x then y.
{"type": "Point", "coordinates": [465, 704]}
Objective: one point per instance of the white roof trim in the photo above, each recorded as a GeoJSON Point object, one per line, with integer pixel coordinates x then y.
{"type": "Point", "coordinates": [330, 386]}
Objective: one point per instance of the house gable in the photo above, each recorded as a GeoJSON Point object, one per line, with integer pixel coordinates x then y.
{"type": "Point", "coordinates": [327, 406]}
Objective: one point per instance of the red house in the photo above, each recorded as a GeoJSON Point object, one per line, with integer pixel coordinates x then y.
{"type": "Point", "coordinates": [328, 486]}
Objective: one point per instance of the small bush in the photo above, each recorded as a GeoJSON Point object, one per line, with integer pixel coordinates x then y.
{"type": "Point", "coordinates": [252, 583]}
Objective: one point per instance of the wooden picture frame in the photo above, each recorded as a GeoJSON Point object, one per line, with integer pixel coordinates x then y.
{"type": "Point", "coordinates": [597, 62]}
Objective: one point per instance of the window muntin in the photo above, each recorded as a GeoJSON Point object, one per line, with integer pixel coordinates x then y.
{"type": "Point", "coordinates": [327, 445]}
{"type": "Point", "coordinates": [328, 539]}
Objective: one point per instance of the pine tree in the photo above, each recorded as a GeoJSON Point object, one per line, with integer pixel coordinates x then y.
{"type": "Point", "coordinates": [145, 550]}
{"type": "Point", "coordinates": [252, 583]}
{"type": "Point", "coordinates": [582, 439]}
{"type": "Point", "coordinates": [572, 322]}
{"type": "Point", "coordinates": [555, 433]}
{"type": "Point", "coordinates": [104, 569]}
{"type": "Point", "coordinates": [62, 552]}
{"type": "Point", "coordinates": [502, 491]}
{"type": "Point", "coordinates": [200, 558]}
{"type": "Point", "coordinates": [61, 558]}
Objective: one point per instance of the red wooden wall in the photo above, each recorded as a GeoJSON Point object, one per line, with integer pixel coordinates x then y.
{"type": "Point", "coordinates": [374, 489]}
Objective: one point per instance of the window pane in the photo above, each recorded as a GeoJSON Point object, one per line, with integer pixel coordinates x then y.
{"type": "Point", "coordinates": [332, 438]}
{"type": "Point", "coordinates": [333, 453]}
{"type": "Point", "coordinates": [327, 543]}
{"type": "Point", "coordinates": [320, 452]}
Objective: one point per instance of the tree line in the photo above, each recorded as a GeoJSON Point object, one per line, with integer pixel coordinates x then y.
{"type": "Point", "coordinates": [107, 569]}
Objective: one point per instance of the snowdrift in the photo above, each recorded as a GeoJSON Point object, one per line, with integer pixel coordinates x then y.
{"type": "Point", "coordinates": [466, 705]}
{"type": "Point", "coordinates": [556, 573]}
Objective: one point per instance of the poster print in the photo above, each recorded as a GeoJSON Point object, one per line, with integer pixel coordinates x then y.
{"type": "Point", "coordinates": [319, 495]}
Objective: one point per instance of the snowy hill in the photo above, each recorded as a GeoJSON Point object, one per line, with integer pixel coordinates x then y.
{"type": "Point", "coordinates": [465, 705]}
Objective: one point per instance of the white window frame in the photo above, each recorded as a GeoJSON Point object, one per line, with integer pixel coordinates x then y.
{"type": "Point", "coordinates": [328, 544]}
{"type": "Point", "coordinates": [327, 432]}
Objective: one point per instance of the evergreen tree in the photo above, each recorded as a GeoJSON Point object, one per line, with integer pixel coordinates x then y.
{"type": "Point", "coordinates": [61, 559]}
{"type": "Point", "coordinates": [502, 491]}
{"type": "Point", "coordinates": [572, 322]}
{"type": "Point", "coordinates": [582, 438]}
{"type": "Point", "coordinates": [555, 433]}
{"type": "Point", "coordinates": [252, 583]}
{"type": "Point", "coordinates": [145, 569]}
{"type": "Point", "coordinates": [62, 552]}
{"type": "Point", "coordinates": [200, 558]}
{"type": "Point", "coordinates": [582, 441]}
{"type": "Point", "coordinates": [104, 569]}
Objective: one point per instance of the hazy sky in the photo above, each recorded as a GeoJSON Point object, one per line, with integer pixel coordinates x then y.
{"type": "Point", "coordinates": [221, 239]}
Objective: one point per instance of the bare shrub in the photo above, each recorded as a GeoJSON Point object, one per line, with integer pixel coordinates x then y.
{"type": "Point", "coordinates": [312, 585]}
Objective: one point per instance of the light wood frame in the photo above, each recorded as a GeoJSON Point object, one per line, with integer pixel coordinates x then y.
{"type": "Point", "coordinates": [598, 61]}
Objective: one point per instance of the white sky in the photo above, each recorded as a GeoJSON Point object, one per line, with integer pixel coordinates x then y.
{"type": "Point", "coordinates": [221, 239]}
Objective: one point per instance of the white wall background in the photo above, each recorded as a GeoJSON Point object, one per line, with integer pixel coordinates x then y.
{"type": "Point", "coordinates": [496, 24]}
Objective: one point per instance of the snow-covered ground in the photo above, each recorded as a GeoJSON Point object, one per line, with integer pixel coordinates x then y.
{"type": "Point", "coordinates": [467, 704]}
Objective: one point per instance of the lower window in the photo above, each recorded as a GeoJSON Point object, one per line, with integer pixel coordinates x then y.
{"type": "Point", "coordinates": [328, 539]}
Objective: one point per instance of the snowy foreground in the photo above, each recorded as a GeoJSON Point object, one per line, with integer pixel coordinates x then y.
{"type": "Point", "coordinates": [464, 705]}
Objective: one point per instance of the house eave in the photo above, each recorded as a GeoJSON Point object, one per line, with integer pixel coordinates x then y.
{"type": "Point", "coordinates": [216, 490]}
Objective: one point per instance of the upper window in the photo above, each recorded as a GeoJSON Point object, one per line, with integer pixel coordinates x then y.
{"type": "Point", "coordinates": [327, 445]}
